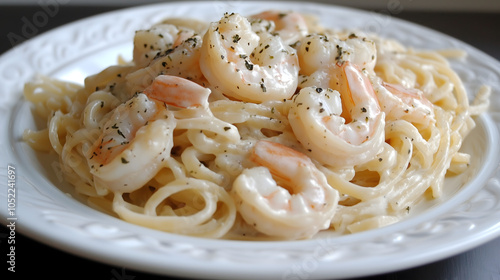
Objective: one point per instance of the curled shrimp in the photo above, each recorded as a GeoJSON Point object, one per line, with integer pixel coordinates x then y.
{"type": "Point", "coordinates": [149, 42]}
{"type": "Point", "coordinates": [290, 26]}
{"type": "Point", "coordinates": [399, 102]}
{"type": "Point", "coordinates": [318, 53]}
{"type": "Point", "coordinates": [339, 127]}
{"type": "Point", "coordinates": [134, 141]}
{"type": "Point", "coordinates": [302, 205]}
{"type": "Point", "coordinates": [138, 136]}
{"type": "Point", "coordinates": [179, 59]}
{"type": "Point", "coordinates": [247, 66]}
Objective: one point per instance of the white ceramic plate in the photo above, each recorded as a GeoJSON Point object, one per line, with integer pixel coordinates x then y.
{"type": "Point", "coordinates": [45, 210]}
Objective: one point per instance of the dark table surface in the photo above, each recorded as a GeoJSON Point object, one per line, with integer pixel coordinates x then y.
{"type": "Point", "coordinates": [476, 29]}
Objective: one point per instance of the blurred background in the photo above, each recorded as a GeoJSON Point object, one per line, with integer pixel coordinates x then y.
{"type": "Point", "coordinates": [427, 5]}
{"type": "Point", "coordinates": [469, 21]}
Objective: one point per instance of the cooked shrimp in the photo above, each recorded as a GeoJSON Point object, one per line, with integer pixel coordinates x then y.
{"type": "Point", "coordinates": [399, 102]}
{"type": "Point", "coordinates": [148, 43]}
{"type": "Point", "coordinates": [247, 66]}
{"type": "Point", "coordinates": [138, 136]}
{"type": "Point", "coordinates": [290, 26]}
{"type": "Point", "coordinates": [318, 53]}
{"type": "Point", "coordinates": [181, 60]}
{"type": "Point", "coordinates": [133, 143]}
{"type": "Point", "coordinates": [303, 205]}
{"type": "Point", "coordinates": [178, 92]}
{"type": "Point", "coordinates": [339, 127]}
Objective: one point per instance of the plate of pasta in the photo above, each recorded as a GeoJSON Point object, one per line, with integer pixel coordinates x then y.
{"type": "Point", "coordinates": [277, 140]}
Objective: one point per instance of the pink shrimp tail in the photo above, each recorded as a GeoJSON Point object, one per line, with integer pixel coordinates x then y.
{"type": "Point", "coordinates": [177, 91]}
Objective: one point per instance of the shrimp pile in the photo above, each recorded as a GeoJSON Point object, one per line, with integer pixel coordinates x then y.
{"type": "Point", "coordinates": [259, 127]}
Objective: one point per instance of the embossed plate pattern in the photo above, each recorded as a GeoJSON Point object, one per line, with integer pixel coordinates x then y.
{"type": "Point", "coordinates": [47, 211]}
